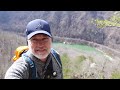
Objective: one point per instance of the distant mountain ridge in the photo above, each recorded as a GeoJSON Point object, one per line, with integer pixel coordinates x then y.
{"type": "Point", "coordinates": [70, 24]}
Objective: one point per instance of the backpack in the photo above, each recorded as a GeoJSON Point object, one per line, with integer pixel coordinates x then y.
{"type": "Point", "coordinates": [20, 52]}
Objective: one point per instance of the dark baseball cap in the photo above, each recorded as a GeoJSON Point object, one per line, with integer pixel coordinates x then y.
{"type": "Point", "coordinates": [37, 26]}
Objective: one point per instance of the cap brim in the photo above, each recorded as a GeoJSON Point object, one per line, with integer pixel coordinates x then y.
{"type": "Point", "coordinates": [38, 32]}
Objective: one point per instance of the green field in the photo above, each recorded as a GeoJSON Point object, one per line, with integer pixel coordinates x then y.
{"type": "Point", "coordinates": [75, 46]}
{"type": "Point", "coordinates": [74, 57]}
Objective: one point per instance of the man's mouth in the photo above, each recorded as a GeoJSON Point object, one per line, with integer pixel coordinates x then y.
{"type": "Point", "coordinates": [41, 50]}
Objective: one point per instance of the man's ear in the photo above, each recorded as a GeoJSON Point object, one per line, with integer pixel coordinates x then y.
{"type": "Point", "coordinates": [52, 39]}
{"type": "Point", "coordinates": [26, 41]}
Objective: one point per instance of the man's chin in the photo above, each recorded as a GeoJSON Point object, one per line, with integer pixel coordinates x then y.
{"type": "Point", "coordinates": [41, 56]}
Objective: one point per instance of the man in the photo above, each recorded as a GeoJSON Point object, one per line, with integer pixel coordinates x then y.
{"type": "Point", "coordinates": [39, 39]}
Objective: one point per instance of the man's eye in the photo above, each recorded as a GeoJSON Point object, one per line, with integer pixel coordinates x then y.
{"type": "Point", "coordinates": [45, 39]}
{"type": "Point", "coordinates": [34, 40]}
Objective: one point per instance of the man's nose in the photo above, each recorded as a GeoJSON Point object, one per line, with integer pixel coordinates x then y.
{"type": "Point", "coordinates": [40, 42]}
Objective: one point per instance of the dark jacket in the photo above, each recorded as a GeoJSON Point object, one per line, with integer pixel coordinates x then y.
{"type": "Point", "coordinates": [20, 69]}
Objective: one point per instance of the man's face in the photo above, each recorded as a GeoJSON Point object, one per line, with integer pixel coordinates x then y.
{"type": "Point", "coordinates": [40, 46]}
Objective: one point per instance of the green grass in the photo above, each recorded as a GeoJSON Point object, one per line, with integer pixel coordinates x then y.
{"type": "Point", "coordinates": [115, 75]}
{"type": "Point", "coordinates": [65, 62]}
{"type": "Point", "coordinates": [79, 47]}
{"type": "Point", "coordinates": [75, 46]}
{"type": "Point", "coordinates": [91, 59]}
{"type": "Point", "coordinates": [69, 68]}
{"type": "Point", "coordinates": [81, 58]}
{"type": "Point", "coordinates": [78, 62]}
{"type": "Point", "coordinates": [73, 66]}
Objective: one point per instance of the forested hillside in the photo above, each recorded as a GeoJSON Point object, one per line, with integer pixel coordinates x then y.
{"type": "Point", "coordinates": [8, 43]}
{"type": "Point", "coordinates": [70, 27]}
{"type": "Point", "coordinates": [73, 24]}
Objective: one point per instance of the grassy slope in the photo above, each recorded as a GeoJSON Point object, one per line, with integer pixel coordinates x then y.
{"type": "Point", "coordinates": [80, 61]}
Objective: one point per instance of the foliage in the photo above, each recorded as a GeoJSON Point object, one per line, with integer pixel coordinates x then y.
{"type": "Point", "coordinates": [65, 61]}
{"type": "Point", "coordinates": [113, 21]}
{"type": "Point", "coordinates": [105, 23]}
{"type": "Point", "coordinates": [81, 58]}
{"type": "Point", "coordinates": [115, 75]}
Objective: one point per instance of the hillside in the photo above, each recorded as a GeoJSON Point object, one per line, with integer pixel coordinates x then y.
{"type": "Point", "coordinates": [8, 43]}
{"type": "Point", "coordinates": [70, 24]}
{"type": "Point", "coordinates": [85, 62]}
{"type": "Point", "coordinates": [99, 59]}
{"type": "Point", "coordinates": [88, 60]}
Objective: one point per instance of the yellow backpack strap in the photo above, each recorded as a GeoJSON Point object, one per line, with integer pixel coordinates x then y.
{"type": "Point", "coordinates": [19, 51]}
